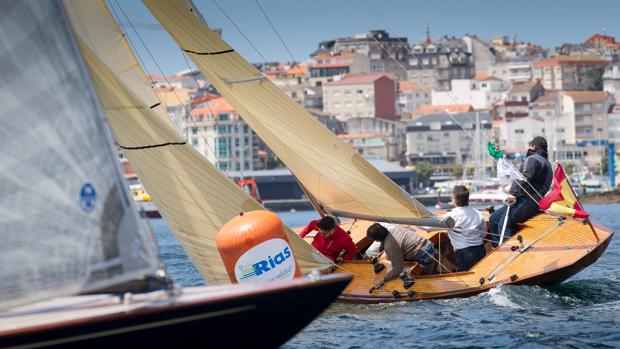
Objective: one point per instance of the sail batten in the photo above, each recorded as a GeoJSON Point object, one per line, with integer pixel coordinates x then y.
{"type": "Point", "coordinates": [193, 197]}
{"type": "Point", "coordinates": [331, 171]}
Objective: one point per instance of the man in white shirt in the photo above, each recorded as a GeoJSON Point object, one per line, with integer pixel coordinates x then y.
{"type": "Point", "coordinates": [469, 229]}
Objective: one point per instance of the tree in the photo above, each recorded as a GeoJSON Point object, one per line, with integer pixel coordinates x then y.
{"type": "Point", "coordinates": [424, 170]}
{"type": "Point", "coordinates": [595, 77]}
{"type": "Point", "coordinates": [605, 163]}
{"type": "Point", "coordinates": [457, 171]}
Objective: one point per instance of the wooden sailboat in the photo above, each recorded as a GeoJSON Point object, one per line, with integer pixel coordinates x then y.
{"type": "Point", "coordinates": [338, 181]}
{"type": "Point", "coordinates": [69, 227]}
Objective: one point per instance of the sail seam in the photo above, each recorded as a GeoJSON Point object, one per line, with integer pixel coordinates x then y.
{"type": "Point", "coordinates": [209, 53]}
{"type": "Point", "coordinates": [152, 146]}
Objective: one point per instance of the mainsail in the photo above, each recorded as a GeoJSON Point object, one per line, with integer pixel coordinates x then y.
{"type": "Point", "coordinates": [338, 178]}
{"type": "Point", "coordinates": [66, 222]}
{"type": "Point", "coordinates": [194, 197]}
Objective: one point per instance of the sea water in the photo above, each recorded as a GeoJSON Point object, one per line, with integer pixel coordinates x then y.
{"type": "Point", "coordinates": [583, 311]}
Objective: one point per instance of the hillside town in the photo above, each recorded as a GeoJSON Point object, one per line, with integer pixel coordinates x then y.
{"type": "Point", "coordinates": [429, 105]}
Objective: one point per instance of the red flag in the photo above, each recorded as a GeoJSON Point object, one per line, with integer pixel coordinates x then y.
{"type": "Point", "coordinates": [561, 199]}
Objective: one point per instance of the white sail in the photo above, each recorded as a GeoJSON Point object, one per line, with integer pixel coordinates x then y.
{"type": "Point", "coordinates": [340, 180]}
{"type": "Point", "coordinates": [66, 223]}
{"type": "Point", "coordinates": [194, 197]}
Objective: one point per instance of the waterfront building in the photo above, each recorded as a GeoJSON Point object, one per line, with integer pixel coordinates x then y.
{"type": "Point", "coordinates": [435, 64]}
{"type": "Point", "coordinates": [217, 132]}
{"type": "Point", "coordinates": [375, 137]}
{"type": "Point", "coordinates": [361, 95]}
{"type": "Point", "coordinates": [442, 109]}
{"type": "Point", "coordinates": [566, 72]}
{"type": "Point", "coordinates": [440, 140]}
{"type": "Point", "coordinates": [410, 97]}
{"type": "Point", "coordinates": [483, 55]}
{"type": "Point", "coordinates": [584, 122]}
{"type": "Point", "coordinates": [611, 80]}
{"type": "Point", "coordinates": [481, 92]}
{"type": "Point", "coordinates": [513, 71]}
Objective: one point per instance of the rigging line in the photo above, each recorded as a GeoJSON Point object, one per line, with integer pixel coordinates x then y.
{"type": "Point", "coordinates": [449, 95]}
{"type": "Point", "coordinates": [150, 55]}
{"type": "Point", "coordinates": [141, 61]}
{"type": "Point", "coordinates": [259, 53]}
{"type": "Point", "coordinates": [213, 115]}
{"type": "Point", "coordinates": [276, 31]}
{"type": "Point", "coordinates": [251, 44]}
{"type": "Point", "coordinates": [186, 111]}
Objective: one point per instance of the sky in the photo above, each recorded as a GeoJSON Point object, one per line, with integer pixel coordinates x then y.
{"type": "Point", "coordinates": [303, 24]}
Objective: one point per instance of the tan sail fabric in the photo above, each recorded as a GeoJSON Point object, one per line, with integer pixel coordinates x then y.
{"type": "Point", "coordinates": [341, 181]}
{"type": "Point", "coordinates": [94, 24]}
{"type": "Point", "coordinates": [194, 197]}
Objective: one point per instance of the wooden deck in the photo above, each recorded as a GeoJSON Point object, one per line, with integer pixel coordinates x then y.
{"type": "Point", "coordinates": [555, 254]}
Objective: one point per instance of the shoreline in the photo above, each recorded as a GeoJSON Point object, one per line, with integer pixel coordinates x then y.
{"type": "Point", "coordinates": [608, 197]}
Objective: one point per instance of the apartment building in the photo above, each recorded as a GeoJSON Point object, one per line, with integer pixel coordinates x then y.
{"type": "Point", "coordinates": [409, 97]}
{"type": "Point", "coordinates": [361, 95]}
{"type": "Point", "coordinates": [566, 72]}
{"type": "Point", "coordinates": [481, 92]}
{"type": "Point", "coordinates": [217, 132]}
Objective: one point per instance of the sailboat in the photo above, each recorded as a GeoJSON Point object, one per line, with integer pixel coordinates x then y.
{"type": "Point", "coordinates": [78, 266]}
{"type": "Point", "coordinates": [548, 249]}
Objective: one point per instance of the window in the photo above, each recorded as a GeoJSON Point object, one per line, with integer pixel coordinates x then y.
{"type": "Point", "coordinates": [359, 92]}
{"type": "Point", "coordinates": [347, 92]}
{"type": "Point", "coordinates": [194, 130]}
{"type": "Point", "coordinates": [519, 131]}
{"type": "Point", "coordinates": [223, 117]}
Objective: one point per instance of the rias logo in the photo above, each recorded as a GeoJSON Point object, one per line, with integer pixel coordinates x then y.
{"type": "Point", "coordinates": [268, 261]}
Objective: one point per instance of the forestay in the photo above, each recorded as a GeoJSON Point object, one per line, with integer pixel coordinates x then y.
{"type": "Point", "coordinates": [194, 197]}
{"type": "Point", "coordinates": [340, 180]}
{"type": "Point", "coordinates": [66, 223]}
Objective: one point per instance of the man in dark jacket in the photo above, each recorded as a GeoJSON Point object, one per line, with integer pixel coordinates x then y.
{"type": "Point", "coordinates": [524, 195]}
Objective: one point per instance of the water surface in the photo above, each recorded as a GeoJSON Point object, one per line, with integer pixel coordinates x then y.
{"type": "Point", "coordinates": [583, 311]}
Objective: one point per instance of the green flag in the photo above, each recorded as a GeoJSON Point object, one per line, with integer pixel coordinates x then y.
{"type": "Point", "coordinates": [495, 151]}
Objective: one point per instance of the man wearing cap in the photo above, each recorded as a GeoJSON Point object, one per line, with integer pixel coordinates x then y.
{"type": "Point", "coordinates": [524, 195]}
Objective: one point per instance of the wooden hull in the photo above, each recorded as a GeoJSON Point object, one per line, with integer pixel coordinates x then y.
{"type": "Point", "coordinates": [555, 255]}
{"type": "Point", "coordinates": [234, 316]}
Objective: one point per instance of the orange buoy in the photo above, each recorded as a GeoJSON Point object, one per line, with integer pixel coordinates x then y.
{"type": "Point", "coordinates": [254, 248]}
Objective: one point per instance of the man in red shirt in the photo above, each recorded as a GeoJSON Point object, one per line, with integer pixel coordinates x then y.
{"type": "Point", "coordinates": [332, 241]}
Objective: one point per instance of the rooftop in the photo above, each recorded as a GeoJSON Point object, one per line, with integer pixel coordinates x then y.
{"type": "Point", "coordinates": [587, 96]}
{"type": "Point", "coordinates": [522, 86]}
{"type": "Point", "coordinates": [215, 106]}
{"type": "Point", "coordinates": [450, 108]}
{"type": "Point", "coordinates": [571, 60]}
{"type": "Point", "coordinates": [404, 85]}
{"type": "Point", "coordinates": [358, 79]}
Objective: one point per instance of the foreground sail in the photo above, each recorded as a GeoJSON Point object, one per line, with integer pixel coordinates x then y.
{"type": "Point", "coordinates": [339, 180]}
{"type": "Point", "coordinates": [194, 197]}
{"type": "Point", "coordinates": [66, 224]}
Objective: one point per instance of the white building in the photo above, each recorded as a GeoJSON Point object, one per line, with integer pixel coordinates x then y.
{"type": "Point", "coordinates": [367, 133]}
{"type": "Point", "coordinates": [481, 93]}
{"type": "Point", "coordinates": [409, 97]}
{"type": "Point", "coordinates": [512, 71]}
{"type": "Point", "coordinates": [440, 140]}
{"type": "Point", "coordinates": [222, 136]}
{"type": "Point", "coordinates": [584, 122]}
{"type": "Point", "coordinates": [515, 134]}
{"type": "Point", "coordinates": [611, 80]}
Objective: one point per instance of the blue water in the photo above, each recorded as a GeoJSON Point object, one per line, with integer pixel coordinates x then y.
{"type": "Point", "coordinates": [584, 311]}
